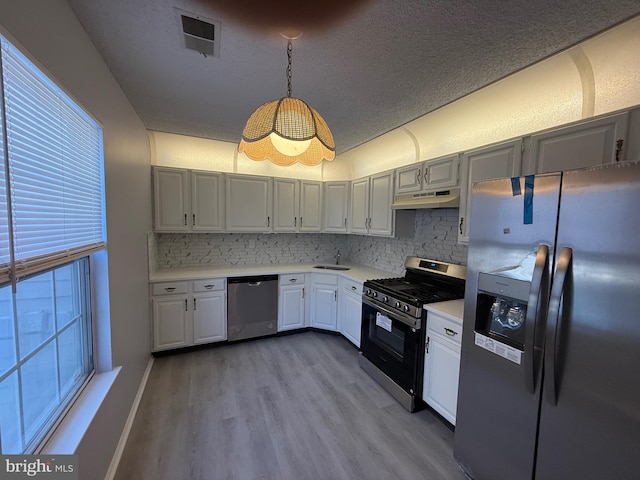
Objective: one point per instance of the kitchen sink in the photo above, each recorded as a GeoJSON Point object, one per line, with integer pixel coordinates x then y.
{"type": "Point", "coordinates": [332, 267]}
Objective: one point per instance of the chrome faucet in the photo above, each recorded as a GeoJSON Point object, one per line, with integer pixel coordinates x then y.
{"type": "Point", "coordinates": [338, 258]}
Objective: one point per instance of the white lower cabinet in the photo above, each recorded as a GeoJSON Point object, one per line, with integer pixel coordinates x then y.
{"type": "Point", "coordinates": [350, 310]}
{"type": "Point", "coordinates": [292, 302]}
{"type": "Point", "coordinates": [170, 324]}
{"type": "Point", "coordinates": [442, 365]}
{"type": "Point", "coordinates": [188, 313]}
{"type": "Point", "coordinates": [209, 314]}
{"type": "Point", "coordinates": [324, 302]}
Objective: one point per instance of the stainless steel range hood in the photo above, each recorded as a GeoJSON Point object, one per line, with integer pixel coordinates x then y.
{"type": "Point", "coordinates": [438, 199]}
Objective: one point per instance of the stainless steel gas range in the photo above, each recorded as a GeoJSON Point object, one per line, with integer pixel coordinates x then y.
{"type": "Point", "coordinates": [394, 324]}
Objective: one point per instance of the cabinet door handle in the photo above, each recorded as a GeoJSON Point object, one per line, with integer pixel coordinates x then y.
{"type": "Point", "coordinates": [451, 333]}
{"type": "Point", "coordinates": [186, 305]}
{"type": "Point", "coordinates": [210, 286]}
{"type": "Point", "coordinates": [194, 305]}
{"type": "Point", "coordinates": [293, 280]}
{"type": "Point", "coordinates": [427, 346]}
{"type": "Point", "coordinates": [268, 221]}
{"type": "Point", "coordinates": [185, 219]}
{"type": "Point", "coordinates": [461, 222]}
{"type": "Point", "coordinates": [418, 177]}
{"type": "Point", "coordinates": [302, 292]}
{"type": "Point", "coordinates": [345, 222]}
{"type": "Point", "coordinates": [300, 221]}
{"type": "Point", "coordinates": [194, 219]}
{"type": "Point", "coordinates": [295, 221]}
{"type": "Point", "coordinates": [169, 289]}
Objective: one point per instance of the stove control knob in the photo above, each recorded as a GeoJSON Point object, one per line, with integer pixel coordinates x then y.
{"type": "Point", "coordinates": [385, 299]}
{"type": "Point", "coordinates": [368, 292]}
{"type": "Point", "coordinates": [406, 308]}
{"type": "Point", "coordinates": [375, 294]}
{"type": "Point", "coordinates": [397, 304]}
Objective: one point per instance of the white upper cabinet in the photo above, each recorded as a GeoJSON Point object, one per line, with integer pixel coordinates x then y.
{"type": "Point", "coordinates": [249, 203]}
{"type": "Point", "coordinates": [207, 201]}
{"type": "Point", "coordinates": [360, 206]}
{"type": "Point", "coordinates": [371, 200]}
{"type": "Point", "coordinates": [286, 207]}
{"type": "Point", "coordinates": [381, 198]}
{"type": "Point", "coordinates": [310, 206]}
{"type": "Point", "coordinates": [498, 161]}
{"type": "Point", "coordinates": [171, 200]}
{"type": "Point", "coordinates": [583, 145]}
{"type": "Point", "coordinates": [297, 205]}
{"type": "Point", "coordinates": [429, 175]}
{"type": "Point", "coordinates": [336, 206]}
{"type": "Point", "coordinates": [186, 200]}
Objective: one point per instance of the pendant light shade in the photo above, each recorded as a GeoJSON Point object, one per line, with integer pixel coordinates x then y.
{"type": "Point", "coordinates": [287, 131]}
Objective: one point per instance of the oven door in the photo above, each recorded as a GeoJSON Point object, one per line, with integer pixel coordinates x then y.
{"type": "Point", "coordinates": [393, 346]}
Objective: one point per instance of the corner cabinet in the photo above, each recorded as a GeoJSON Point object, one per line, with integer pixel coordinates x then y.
{"type": "Point", "coordinates": [350, 310]}
{"type": "Point", "coordinates": [187, 200]}
{"type": "Point", "coordinates": [498, 161]}
{"type": "Point", "coordinates": [371, 200]}
{"type": "Point", "coordinates": [429, 175]}
{"type": "Point", "coordinates": [249, 203]}
{"type": "Point", "coordinates": [297, 205]}
{"type": "Point", "coordinates": [188, 313]}
{"type": "Point", "coordinates": [324, 302]}
{"type": "Point", "coordinates": [336, 207]}
{"type": "Point", "coordinates": [291, 302]}
{"type": "Point", "coordinates": [442, 365]}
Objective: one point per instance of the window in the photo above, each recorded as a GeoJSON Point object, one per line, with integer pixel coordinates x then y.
{"type": "Point", "coordinates": [45, 351]}
{"type": "Point", "coordinates": [51, 221]}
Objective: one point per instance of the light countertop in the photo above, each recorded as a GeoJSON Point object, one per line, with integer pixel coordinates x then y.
{"type": "Point", "coordinates": [453, 309]}
{"type": "Point", "coordinates": [357, 273]}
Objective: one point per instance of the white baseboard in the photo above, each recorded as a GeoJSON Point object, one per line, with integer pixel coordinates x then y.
{"type": "Point", "coordinates": [115, 461]}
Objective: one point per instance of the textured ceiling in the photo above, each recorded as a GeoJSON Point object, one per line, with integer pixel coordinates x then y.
{"type": "Point", "coordinates": [382, 65]}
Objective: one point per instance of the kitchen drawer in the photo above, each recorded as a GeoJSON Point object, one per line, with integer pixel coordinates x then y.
{"type": "Point", "coordinates": [169, 288]}
{"type": "Point", "coordinates": [444, 327]}
{"type": "Point", "coordinates": [351, 286]}
{"type": "Point", "coordinates": [209, 285]}
{"type": "Point", "coordinates": [292, 279]}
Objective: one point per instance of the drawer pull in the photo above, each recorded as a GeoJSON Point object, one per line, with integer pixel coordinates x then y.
{"type": "Point", "coordinates": [450, 332]}
{"type": "Point", "coordinates": [169, 289]}
{"type": "Point", "coordinates": [293, 280]}
{"type": "Point", "coordinates": [209, 287]}
{"type": "Point", "coordinates": [353, 288]}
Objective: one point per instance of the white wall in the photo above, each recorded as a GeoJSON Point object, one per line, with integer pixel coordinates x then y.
{"type": "Point", "coordinates": [53, 37]}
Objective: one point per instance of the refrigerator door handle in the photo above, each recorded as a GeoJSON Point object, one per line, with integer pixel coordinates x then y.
{"type": "Point", "coordinates": [555, 315]}
{"type": "Point", "coordinates": [535, 316]}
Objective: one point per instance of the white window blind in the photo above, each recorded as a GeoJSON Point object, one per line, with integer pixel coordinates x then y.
{"type": "Point", "coordinates": [54, 170]}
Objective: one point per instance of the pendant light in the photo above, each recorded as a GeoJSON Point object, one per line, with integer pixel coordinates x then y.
{"type": "Point", "coordinates": [287, 131]}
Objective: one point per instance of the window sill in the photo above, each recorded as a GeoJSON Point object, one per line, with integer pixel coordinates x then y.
{"type": "Point", "coordinates": [68, 434]}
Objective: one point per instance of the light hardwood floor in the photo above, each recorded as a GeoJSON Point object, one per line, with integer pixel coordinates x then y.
{"type": "Point", "coordinates": [292, 407]}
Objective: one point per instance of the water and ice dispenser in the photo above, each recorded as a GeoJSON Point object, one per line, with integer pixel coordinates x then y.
{"type": "Point", "coordinates": [502, 309]}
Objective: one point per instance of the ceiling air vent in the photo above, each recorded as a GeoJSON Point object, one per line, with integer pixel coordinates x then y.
{"type": "Point", "coordinates": [200, 34]}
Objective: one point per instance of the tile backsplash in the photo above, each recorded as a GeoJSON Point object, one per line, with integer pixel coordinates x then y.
{"type": "Point", "coordinates": [435, 237]}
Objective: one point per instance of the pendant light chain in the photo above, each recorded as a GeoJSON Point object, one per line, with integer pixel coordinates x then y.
{"type": "Point", "coordinates": [289, 51]}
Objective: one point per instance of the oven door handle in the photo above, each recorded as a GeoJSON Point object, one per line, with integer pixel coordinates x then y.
{"type": "Point", "coordinates": [406, 319]}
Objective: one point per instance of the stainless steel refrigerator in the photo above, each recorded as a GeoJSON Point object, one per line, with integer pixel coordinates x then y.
{"type": "Point", "coordinates": [550, 370]}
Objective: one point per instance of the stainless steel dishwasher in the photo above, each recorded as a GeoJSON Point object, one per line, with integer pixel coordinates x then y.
{"type": "Point", "coordinates": [252, 306]}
